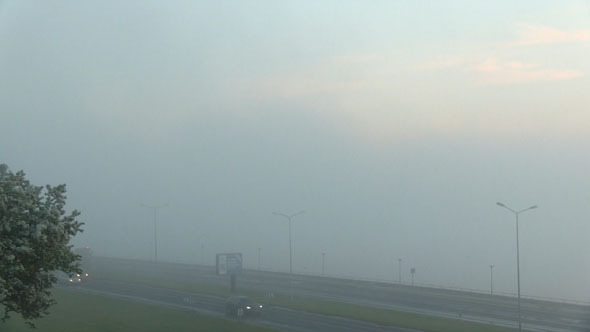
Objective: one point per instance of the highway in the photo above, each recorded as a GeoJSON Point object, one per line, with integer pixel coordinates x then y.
{"type": "Point", "coordinates": [274, 317]}
{"type": "Point", "coordinates": [499, 310]}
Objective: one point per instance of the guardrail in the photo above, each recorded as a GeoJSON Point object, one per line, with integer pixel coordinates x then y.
{"type": "Point", "coordinates": [441, 287]}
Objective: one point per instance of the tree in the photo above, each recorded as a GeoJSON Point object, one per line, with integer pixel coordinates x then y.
{"type": "Point", "coordinates": [34, 243]}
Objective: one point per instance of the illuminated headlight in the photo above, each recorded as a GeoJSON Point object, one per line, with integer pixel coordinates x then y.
{"type": "Point", "coordinates": [78, 274]}
{"type": "Point", "coordinates": [71, 280]}
{"type": "Point", "coordinates": [248, 307]}
{"type": "Point", "coordinates": [86, 274]}
{"type": "Point", "coordinates": [261, 306]}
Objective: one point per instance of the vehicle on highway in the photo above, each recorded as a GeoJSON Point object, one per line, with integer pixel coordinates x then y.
{"type": "Point", "coordinates": [242, 306]}
{"type": "Point", "coordinates": [71, 279]}
{"type": "Point", "coordinates": [78, 277]}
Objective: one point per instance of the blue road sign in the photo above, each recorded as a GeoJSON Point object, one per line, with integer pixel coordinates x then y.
{"type": "Point", "coordinates": [229, 263]}
{"type": "Point", "coordinates": [234, 263]}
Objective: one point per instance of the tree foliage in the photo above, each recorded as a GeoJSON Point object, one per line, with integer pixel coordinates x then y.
{"type": "Point", "coordinates": [34, 242]}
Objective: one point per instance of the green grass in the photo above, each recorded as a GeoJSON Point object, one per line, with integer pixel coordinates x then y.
{"type": "Point", "coordinates": [132, 277]}
{"type": "Point", "coordinates": [386, 317]}
{"type": "Point", "coordinates": [94, 313]}
{"type": "Point", "coordinates": [369, 314]}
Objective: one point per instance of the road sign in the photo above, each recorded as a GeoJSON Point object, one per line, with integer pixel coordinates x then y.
{"type": "Point", "coordinates": [230, 263]}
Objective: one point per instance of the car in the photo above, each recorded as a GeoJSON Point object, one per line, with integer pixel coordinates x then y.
{"type": "Point", "coordinates": [242, 306]}
{"type": "Point", "coordinates": [78, 277]}
{"type": "Point", "coordinates": [71, 279]}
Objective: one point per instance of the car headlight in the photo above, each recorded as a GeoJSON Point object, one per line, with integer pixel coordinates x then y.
{"type": "Point", "coordinates": [87, 274]}
{"type": "Point", "coordinates": [248, 307]}
{"type": "Point", "coordinates": [261, 306]}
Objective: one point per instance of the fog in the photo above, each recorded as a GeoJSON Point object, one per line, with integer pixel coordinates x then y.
{"type": "Point", "coordinates": [396, 127]}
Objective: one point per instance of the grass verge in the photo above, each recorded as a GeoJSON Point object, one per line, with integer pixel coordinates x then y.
{"type": "Point", "coordinates": [352, 311]}
{"type": "Point", "coordinates": [386, 317]}
{"type": "Point", "coordinates": [77, 312]}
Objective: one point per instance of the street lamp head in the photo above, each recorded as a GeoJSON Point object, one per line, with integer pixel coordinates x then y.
{"type": "Point", "coordinates": [298, 213]}
{"type": "Point", "coordinates": [288, 216]}
{"type": "Point", "coordinates": [500, 204]}
{"type": "Point", "coordinates": [533, 207]}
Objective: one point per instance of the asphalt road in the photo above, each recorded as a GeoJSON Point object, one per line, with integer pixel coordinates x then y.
{"type": "Point", "coordinates": [274, 317]}
{"type": "Point", "coordinates": [499, 310]}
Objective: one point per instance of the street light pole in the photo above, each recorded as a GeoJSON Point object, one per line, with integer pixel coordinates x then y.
{"type": "Point", "coordinates": [399, 268]}
{"type": "Point", "coordinates": [516, 213]}
{"type": "Point", "coordinates": [156, 208]}
{"type": "Point", "coordinates": [323, 264]}
{"type": "Point", "coordinates": [290, 218]}
{"type": "Point", "coordinates": [202, 254]}
{"type": "Point", "coordinates": [491, 280]}
{"type": "Point", "coordinates": [259, 258]}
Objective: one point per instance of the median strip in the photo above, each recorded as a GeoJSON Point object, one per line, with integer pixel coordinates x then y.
{"type": "Point", "coordinates": [346, 310]}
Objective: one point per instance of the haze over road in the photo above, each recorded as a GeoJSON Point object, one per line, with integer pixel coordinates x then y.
{"type": "Point", "coordinates": [396, 126]}
{"type": "Point", "coordinates": [499, 310]}
{"type": "Point", "coordinates": [275, 317]}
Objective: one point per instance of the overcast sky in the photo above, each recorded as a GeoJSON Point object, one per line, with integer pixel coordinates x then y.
{"type": "Point", "coordinates": [396, 126]}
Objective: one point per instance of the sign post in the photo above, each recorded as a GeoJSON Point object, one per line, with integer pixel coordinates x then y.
{"type": "Point", "coordinates": [229, 264]}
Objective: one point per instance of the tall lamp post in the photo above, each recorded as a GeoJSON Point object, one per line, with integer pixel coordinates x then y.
{"type": "Point", "coordinates": [399, 269]}
{"type": "Point", "coordinates": [156, 208]}
{"type": "Point", "coordinates": [202, 254]}
{"type": "Point", "coordinates": [491, 280]}
{"type": "Point", "coordinates": [323, 264]}
{"type": "Point", "coordinates": [290, 219]}
{"type": "Point", "coordinates": [516, 213]}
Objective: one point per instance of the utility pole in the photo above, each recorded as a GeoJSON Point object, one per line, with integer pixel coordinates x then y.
{"type": "Point", "coordinates": [413, 271]}
{"type": "Point", "coordinates": [156, 209]}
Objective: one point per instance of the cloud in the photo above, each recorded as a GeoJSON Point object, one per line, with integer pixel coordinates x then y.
{"type": "Point", "coordinates": [492, 65]}
{"type": "Point", "coordinates": [441, 63]}
{"type": "Point", "coordinates": [496, 71]}
{"type": "Point", "coordinates": [500, 69]}
{"type": "Point", "coordinates": [504, 72]}
{"type": "Point", "coordinates": [532, 34]}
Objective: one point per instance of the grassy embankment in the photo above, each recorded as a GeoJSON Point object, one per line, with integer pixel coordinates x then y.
{"type": "Point", "coordinates": [94, 313]}
{"type": "Point", "coordinates": [369, 314]}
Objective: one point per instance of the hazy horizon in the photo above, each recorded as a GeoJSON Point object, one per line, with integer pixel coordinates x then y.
{"type": "Point", "coordinates": [396, 127]}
